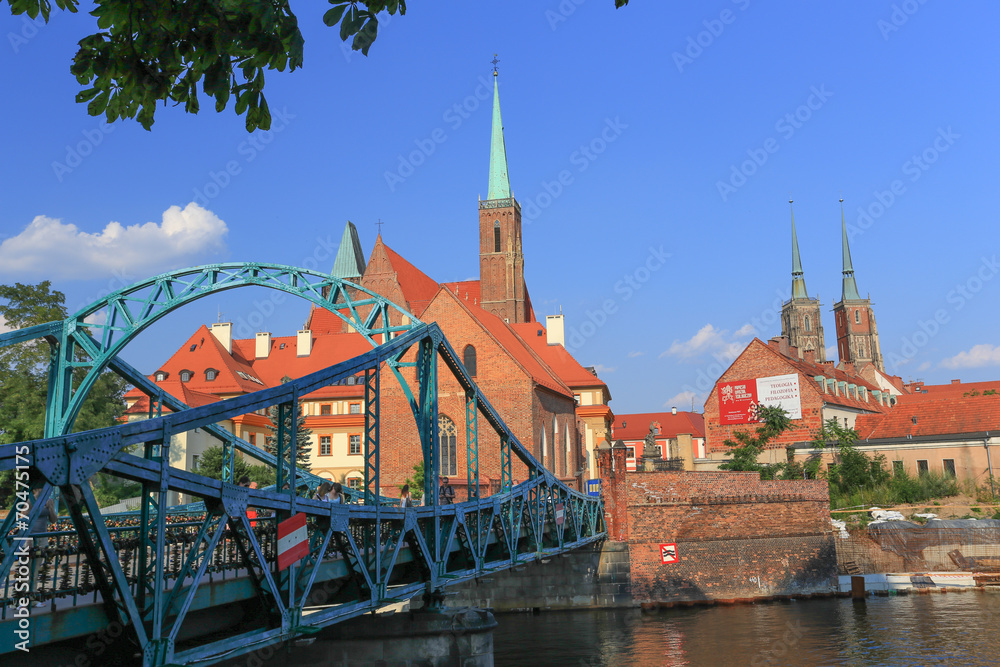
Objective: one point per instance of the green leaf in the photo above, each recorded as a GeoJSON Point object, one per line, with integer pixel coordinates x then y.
{"type": "Point", "coordinates": [332, 16]}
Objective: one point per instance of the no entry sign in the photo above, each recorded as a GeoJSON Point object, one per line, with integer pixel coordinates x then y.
{"type": "Point", "coordinates": [668, 553]}
{"type": "Point", "coordinates": [293, 540]}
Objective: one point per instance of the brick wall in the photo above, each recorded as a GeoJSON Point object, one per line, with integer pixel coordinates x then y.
{"type": "Point", "coordinates": [737, 537]}
{"type": "Point", "coordinates": [524, 407]}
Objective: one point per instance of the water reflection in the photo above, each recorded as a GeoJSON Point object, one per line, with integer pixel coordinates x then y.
{"type": "Point", "coordinates": [952, 629]}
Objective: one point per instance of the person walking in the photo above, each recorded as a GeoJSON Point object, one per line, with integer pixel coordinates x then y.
{"type": "Point", "coordinates": [404, 496]}
{"type": "Point", "coordinates": [336, 494]}
{"type": "Point", "coordinates": [446, 494]}
{"type": "Point", "coordinates": [323, 492]}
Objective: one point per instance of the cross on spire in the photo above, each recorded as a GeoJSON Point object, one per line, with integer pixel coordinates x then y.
{"type": "Point", "coordinates": [379, 225]}
{"type": "Point", "coordinates": [495, 61]}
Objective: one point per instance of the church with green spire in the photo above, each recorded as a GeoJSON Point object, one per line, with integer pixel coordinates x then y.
{"type": "Point", "coordinates": [501, 260]}
{"type": "Point", "coordinates": [857, 333]}
{"type": "Point", "coordinates": [800, 315]}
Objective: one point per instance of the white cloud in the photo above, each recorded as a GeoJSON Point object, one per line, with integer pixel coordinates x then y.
{"type": "Point", "coordinates": [924, 366]}
{"type": "Point", "coordinates": [745, 330]}
{"type": "Point", "coordinates": [49, 248]}
{"type": "Point", "coordinates": [601, 368]}
{"type": "Point", "coordinates": [983, 354]}
{"type": "Point", "coordinates": [634, 354]}
{"type": "Point", "coordinates": [718, 342]}
{"type": "Point", "coordinates": [683, 400]}
{"type": "Point", "coordinates": [831, 352]}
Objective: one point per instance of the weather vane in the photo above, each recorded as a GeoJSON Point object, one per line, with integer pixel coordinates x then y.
{"type": "Point", "coordinates": [495, 61]}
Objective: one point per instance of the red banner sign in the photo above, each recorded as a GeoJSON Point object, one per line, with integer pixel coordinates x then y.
{"type": "Point", "coordinates": [738, 402]}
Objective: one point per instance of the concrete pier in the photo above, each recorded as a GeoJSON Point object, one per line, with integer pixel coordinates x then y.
{"type": "Point", "coordinates": [441, 638]}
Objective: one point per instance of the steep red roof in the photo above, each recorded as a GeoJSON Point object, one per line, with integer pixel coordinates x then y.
{"type": "Point", "coordinates": [636, 426]}
{"type": "Point", "coordinates": [418, 288]}
{"type": "Point", "coordinates": [556, 357]}
{"type": "Point", "coordinates": [918, 416]}
{"type": "Point", "coordinates": [519, 350]}
{"type": "Point", "coordinates": [829, 371]}
{"type": "Point", "coordinates": [469, 291]}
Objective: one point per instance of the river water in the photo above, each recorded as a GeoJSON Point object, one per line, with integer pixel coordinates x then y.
{"type": "Point", "coordinates": [936, 629]}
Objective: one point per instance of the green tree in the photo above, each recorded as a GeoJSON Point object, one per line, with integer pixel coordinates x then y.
{"type": "Point", "coordinates": [303, 436]}
{"type": "Point", "coordinates": [150, 51]}
{"type": "Point", "coordinates": [24, 374]}
{"type": "Point", "coordinates": [853, 469]}
{"type": "Point", "coordinates": [747, 446]}
{"type": "Point", "coordinates": [211, 462]}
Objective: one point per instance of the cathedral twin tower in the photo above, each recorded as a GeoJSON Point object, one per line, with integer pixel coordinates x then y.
{"type": "Point", "coordinates": [857, 334]}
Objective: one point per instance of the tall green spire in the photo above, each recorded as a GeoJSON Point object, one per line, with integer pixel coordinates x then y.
{"type": "Point", "coordinates": [850, 292]}
{"type": "Point", "coordinates": [499, 182]}
{"type": "Point", "coordinates": [798, 282]}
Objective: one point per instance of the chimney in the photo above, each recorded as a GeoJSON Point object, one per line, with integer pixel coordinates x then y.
{"type": "Point", "coordinates": [673, 411]}
{"type": "Point", "coordinates": [555, 326]}
{"type": "Point", "coordinates": [223, 332]}
{"type": "Point", "coordinates": [956, 382]}
{"type": "Point", "coordinates": [810, 357]}
{"type": "Point", "coordinates": [849, 367]}
{"type": "Point", "coordinates": [303, 343]}
{"type": "Point", "coordinates": [780, 345]}
{"type": "Point", "coordinates": [263, 345]}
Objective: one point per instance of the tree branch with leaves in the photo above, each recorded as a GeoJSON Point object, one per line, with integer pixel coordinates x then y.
{"type": "Point", "coordinates": [151, 51]}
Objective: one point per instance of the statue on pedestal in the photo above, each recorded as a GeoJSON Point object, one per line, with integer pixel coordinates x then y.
{"type": "Point", "coordinates": [651, 451]}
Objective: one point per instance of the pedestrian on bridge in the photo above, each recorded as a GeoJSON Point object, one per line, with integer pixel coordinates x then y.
{"type": "Point", "coordinates": [336, 494]}
{"type": "Point", "coordinates": [404, 496]}
{"type": "Point", "coordinates": [446, 494]}
{"type": "Point", "coordinates": [323, 492]}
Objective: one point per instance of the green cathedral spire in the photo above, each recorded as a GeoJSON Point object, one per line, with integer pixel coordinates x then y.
{"type": "Point", "coordinates": [499, 182]}
{"type": "Point", "coordinates": [350, 261]}
{"type": "Point", "coordinates": [850, 292]}
{"type": "Point", "coordinates": [798, 282]}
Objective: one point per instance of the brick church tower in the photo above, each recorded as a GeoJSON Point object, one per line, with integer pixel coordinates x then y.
{"type": "Point", "coordinates": [857, 334]}
{"type": "Point", "coordinates": [800, 316]}
{"type": "Point", "coordinates": [501, 261]}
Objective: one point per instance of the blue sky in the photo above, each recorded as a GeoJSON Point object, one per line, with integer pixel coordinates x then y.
{"type": "Point", "coordinates": [679, 129]}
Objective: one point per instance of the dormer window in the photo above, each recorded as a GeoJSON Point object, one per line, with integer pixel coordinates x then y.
{"type": "Point", "coordinates": [160, 376]}
{"type": "Point", "coordinates": [186, 376]}
{"type": "Point", "coordinates": [210, 374]}
{"type": "Point", "coordinates": [194, 346]}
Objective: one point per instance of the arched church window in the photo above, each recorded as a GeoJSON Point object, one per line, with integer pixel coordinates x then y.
{"type": "Point", "coordinates": [469, 360]}
{"type": "Point", "coordinates": [857, 317]}
{"type": "Point", "coordinates": [448, 445]}
{"type": "Point", "coordinates": [496, 236]}
{"type": "Point", "coordinates": [808, 324]}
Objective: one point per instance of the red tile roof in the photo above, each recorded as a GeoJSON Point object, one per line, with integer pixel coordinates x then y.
{"type": "Point", "coordinates": [916, 416]}
{"type": "Point", "coordinates": [520, 351]}
{"type": "Point", "coordinates": [953, 389]}
{"type": "Point", "coordinates": [828, 371]}
{"type": "Point", "coordinates": [556, 357]}
{"type": "Point", "coordinates": [636, 426]}
{"type": "Point", "coordinates": [235, 371]}
{"type": "Point", "coordinates": [469, 291]}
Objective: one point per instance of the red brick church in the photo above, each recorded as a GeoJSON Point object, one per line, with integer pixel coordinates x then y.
{"type": "Point", "coordinates": [556, 407]}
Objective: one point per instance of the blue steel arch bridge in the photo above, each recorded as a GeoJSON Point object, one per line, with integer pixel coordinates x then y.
{"type": "Point", "coordinates": [140, 580]}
